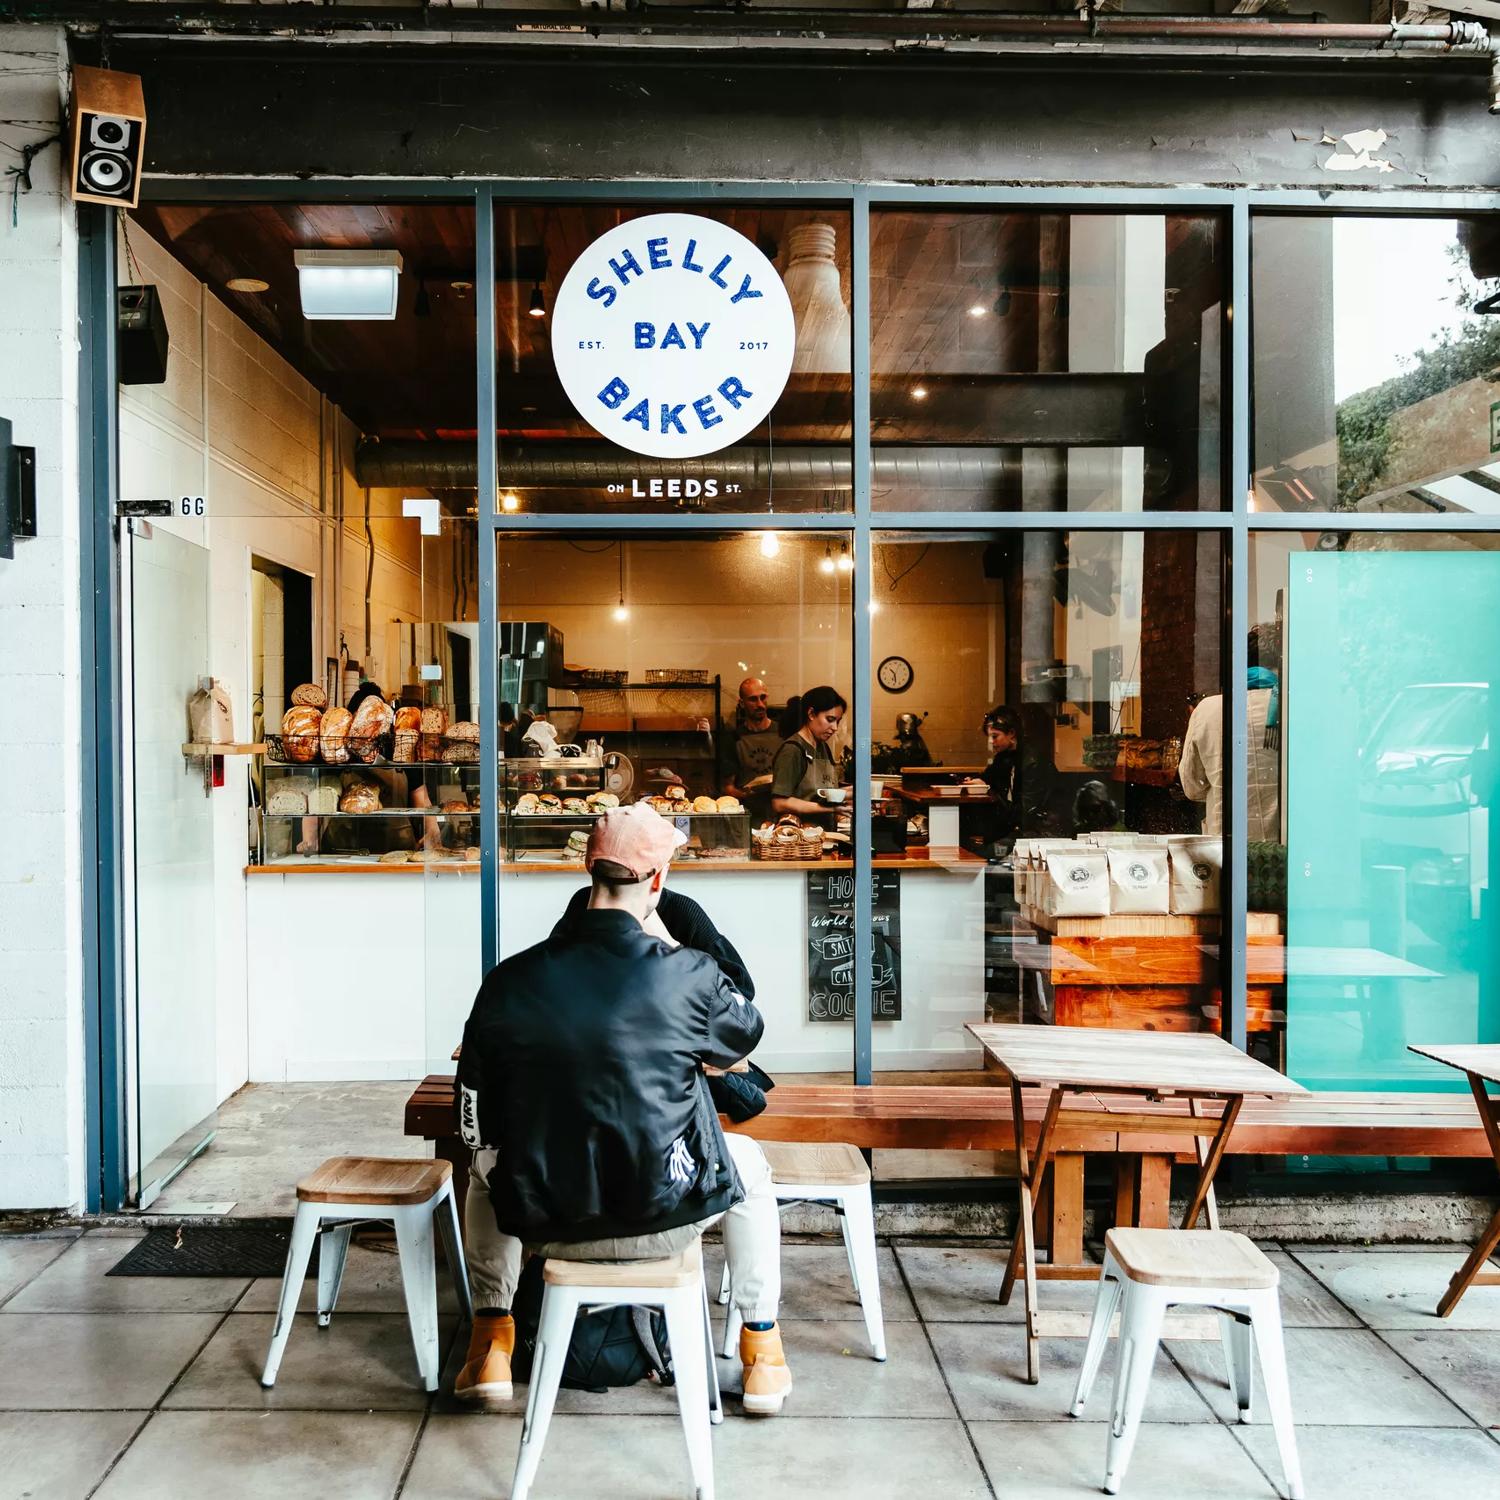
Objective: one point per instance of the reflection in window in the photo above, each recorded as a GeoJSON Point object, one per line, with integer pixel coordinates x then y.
{"type": "Point", "coordinates": [1046, 361]}
{"type": "Point", "coordinates": [1374, 352]}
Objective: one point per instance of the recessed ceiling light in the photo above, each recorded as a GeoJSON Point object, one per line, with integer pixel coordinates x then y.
{"type": "Point", "coordinates": [247, 284]}
{"type": "Point", "coordinates": [353, 285]}
{"type": "Point", "coordinates": [919, 393]}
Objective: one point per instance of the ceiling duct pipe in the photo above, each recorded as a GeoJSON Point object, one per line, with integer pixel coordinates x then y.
{"type": "Point", "coordinates": [804, 466]}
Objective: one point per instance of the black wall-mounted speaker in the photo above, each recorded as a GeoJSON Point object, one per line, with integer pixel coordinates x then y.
{"type": "Point", "coordinates": [140, 336]}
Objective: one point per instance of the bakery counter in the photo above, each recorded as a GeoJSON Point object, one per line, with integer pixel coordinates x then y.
{"type": "Point", "coordinates": [368, 979]}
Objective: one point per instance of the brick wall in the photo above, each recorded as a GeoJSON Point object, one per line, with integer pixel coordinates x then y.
{"type": "Point", "coordinates": [41, 1042]}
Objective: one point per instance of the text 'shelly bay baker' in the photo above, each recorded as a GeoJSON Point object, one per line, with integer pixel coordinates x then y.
{"type": "Point", "coordinates": [671, 336]}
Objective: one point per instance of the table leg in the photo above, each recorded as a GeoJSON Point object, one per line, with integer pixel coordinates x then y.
{"type": "Point", "coordinates": [1127, 1189]}
{"type": "Point", "coordinates": [1200, 1150]}
{"type": "Point", "coordinates": [1066, 1220]}
{"type": "Point", "coordinates": [451, 1149]}
{"type": "Point", "coordinates": [1471, 1273]}
{"type": "Point", "coordinates": [1153, 1198]}
{"type": "Point", "coordinates": [1211, 1160]}
{"type": "Point", "coordinates": [1023, 1252]}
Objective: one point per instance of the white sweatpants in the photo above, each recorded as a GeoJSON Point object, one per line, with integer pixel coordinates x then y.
{"type": "Point", "coordinates": [752, 1239]}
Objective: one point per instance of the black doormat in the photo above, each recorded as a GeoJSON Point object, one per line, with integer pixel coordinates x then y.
{"type": "Point", "coordinates": [210, 1252]}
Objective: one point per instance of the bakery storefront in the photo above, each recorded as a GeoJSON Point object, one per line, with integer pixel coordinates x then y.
{"type": "Point", "coordinates": [494, 505]}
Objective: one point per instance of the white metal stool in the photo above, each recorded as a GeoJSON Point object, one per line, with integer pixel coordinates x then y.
{"type": "Point", "coordinates": [675, 1286]}
{"type": "Point", "coordinates": [410, 1194]}
{"type": "Point", "coordinates": [835, 1173]}
{"type": "Point", "coordinates": [1154, 1269]}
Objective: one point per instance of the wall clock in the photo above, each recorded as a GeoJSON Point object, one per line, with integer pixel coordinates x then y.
{"type": "Point", "coordinates": [894, 674]}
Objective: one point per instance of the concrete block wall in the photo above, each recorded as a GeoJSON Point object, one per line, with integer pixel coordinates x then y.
{"type": "Point", "coordinates": [41, 943]}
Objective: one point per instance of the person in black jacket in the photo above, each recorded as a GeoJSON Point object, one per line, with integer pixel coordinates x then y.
{"type": "Point", "coordinates": [582, 1092]}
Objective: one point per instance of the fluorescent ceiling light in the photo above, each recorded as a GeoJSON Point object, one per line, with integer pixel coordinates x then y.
{"type": "Point", "coordinates": [348, 284]}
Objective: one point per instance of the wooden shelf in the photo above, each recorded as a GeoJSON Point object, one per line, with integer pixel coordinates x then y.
{"type": "Point", "coordinates": [197, 750]}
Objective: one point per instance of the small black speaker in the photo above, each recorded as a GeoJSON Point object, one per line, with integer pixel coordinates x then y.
{"type": "Point", "coordinates": [140, 336]}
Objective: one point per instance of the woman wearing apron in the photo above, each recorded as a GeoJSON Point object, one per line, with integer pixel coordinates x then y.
{"type": "Point", "coordinates": [805, 762]}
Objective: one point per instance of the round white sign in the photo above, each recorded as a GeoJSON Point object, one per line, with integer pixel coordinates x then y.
{"type": "Point", "coordinates": [673, 335]}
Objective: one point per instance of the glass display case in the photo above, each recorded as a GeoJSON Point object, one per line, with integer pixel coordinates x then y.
{"type": "Point", "coordinates": [548, 806]}
{"type": "Point", "coordinates": [380, 812]}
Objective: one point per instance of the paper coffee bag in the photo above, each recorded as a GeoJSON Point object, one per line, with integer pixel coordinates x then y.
{"type": "Point", "coordinates": [1140, 880]}
{"type": "Point", "coordinates": [1076, 882]}
{"type": "Point", "coordinates": [1196, 867]}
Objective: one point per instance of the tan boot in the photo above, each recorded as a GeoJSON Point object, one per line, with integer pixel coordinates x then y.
{"type": "Point", "coordinates": [768, 1381]}
{"type": "Point", "coordinates": [485, 1376]}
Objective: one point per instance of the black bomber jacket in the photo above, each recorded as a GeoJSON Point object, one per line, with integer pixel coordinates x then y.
{"type": "Point", "coordinates": [581, 1069]}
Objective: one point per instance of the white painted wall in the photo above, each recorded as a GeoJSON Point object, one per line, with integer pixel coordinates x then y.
{"type": "Point", "coordinates": [41, 941]}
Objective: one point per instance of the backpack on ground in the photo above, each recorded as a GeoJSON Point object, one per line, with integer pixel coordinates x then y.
{"type": "Point", "coordinates": [611, 1345]}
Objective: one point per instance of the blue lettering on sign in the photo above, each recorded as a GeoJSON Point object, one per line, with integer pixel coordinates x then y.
{"type": "Point", "coordinates": [624, 266]}
{"type": "Point", "coordinates": [704, 406]}
{"type": "Point", "coordinates": [614, 393]}
{"type": "Point", "coordinates": [714, 276]}
{"type": "Point", "coordinates": [672, 338]}
{"type": "Point", "coordinates": [671, 418]}
{"type": "Point", "coordinates": [656, 253]}
{"type": "Point", "coordinates": [688, 263]}
{"type": "Point", "coordinates": [602, 293]}
{"type": "Point", "coordinates": [645, 335]}
{"type": "Point", "coordinates": [641, 413]}
{"type": "Point", "coordinates": [734, 392]}
{"type": "Point", "coordinates": [697, 330]}
{"type": "Point", "coordinates": [745, 291]}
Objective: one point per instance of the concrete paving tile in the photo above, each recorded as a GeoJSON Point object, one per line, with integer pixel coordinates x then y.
{"type": "Point", "coordinates": [641, 1458]}
{"type": "Point", "coordinates": [1338, 1376]}
{"type": "Point", "coordinates": [960, 1286]}
{"type": "Point", "coordinates": [60, 1455]}
{"type": "Point", "coordinates": [265, 1456]}
{"type": "Point", "coordinates": [372, 1283]}
{"type": "Point", "coordinates": [22, 1256]}
{"type": "Point", "coordinates": [1361, 1463]}
{"type": "Point", "coordinates": [95, 1361]}
{"type": "Point", "coordinates": [1038, 1460]}
{"type": "Point", "coordinates": [362, 1361]}
{"type": "Point", "coordinates": [1402, 1290]}
{"type": "Point", "coordinates": [76, 1282]}
{"type": "Point", "coordinates": [815, 1282]}
{"type": "Point", "coordinates": [1462, 1363]}
{"type": "Point", "coordinates": [986, 1369]}
{"type": "Point", "coordinates": [1305, 1301]}
{"type": "Point", "coordinates": [834, 1375]}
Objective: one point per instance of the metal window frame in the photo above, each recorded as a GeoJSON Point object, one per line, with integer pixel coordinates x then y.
{"type": "Point", "coordinates": [1236, 521]}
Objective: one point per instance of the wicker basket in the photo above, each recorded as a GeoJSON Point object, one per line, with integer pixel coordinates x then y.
{"type": "Point", "coordinates": [677, 674]}
{"type": "Point", "coordinates": [779, 852]}
{"type": "Point", "coordinates": [600, 677]}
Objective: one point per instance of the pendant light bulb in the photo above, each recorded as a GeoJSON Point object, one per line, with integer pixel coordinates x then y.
{"type": "Point", "coordinates": [770, 544]}
{"type": "Point", "coordinates": [538, 305]}
{"type": "Point", "coordinates": [510, 501]}
{"type": "Point", "coordinates": [846, 563]}
{"type": "Point", "coordinates": [621, 612]}
{"type": "Point", "coordinates": [827, 565]}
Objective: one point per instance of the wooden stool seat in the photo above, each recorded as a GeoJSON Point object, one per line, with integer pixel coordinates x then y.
{"type": "Point", "coordinates": [835, 1162]}
{"type": "Point", "coordinates": [1203, 1258]}
{"type": "Point", "coordinates": [678, 1270]}
{"type": "Point", "coordinates": [374, 1179]}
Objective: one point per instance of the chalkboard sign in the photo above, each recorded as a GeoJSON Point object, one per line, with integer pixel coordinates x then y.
{"type": "Point", "coordinates": [830, 945]}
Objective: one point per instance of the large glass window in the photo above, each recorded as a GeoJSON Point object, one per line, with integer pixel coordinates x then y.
{"type": "Point", "coordinates": [668, 670]}
{"type": "Point", "coordinates": [1048, 707]}
{"type": "Point", "coordinates": [1034, 360]}
{"type": "Point", "coordinates": [1372, 717]}
{"type": "Point", "coordinates": [1375, 347]}
{"type": "Point", "coordinates": [677, 309]}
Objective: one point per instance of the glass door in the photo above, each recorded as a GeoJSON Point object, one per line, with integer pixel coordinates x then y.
{"type": "Point", "coordinates": [172, 968]}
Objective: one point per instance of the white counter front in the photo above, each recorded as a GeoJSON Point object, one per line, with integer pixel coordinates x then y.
{"type": "Point", "coordinates": [356, 974]}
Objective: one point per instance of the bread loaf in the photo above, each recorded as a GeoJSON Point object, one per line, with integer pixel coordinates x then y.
{"type": "Point", "coordinates": [310, 695]}
{"type": "Point", "coordinates": [361, 797]}
{"type": "Point", "coordinates": [461, 744]}
{"type": "Point", "coordinates": [371, 720]}
{"type": "Point", "coordinates": [285, 803]}
{"type": "Point", "coordinates": [433, 726]}
{"type": "Point", "coordinates": [299, 732]}
{"type": "Point", "coordinates": [323, 798]}
{"type": "Point", "coordinates": [408, 719]}
{"type": "Point", "coordinates": [333, 736]}
{"type": "Point", "coordinates": [404, 750]}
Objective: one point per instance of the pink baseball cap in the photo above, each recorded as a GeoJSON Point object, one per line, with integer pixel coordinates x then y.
{"type": "Point", "coordinates": [637, 838]}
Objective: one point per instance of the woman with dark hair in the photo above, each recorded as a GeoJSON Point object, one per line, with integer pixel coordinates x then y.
{"type": "Point", "coordinates": [805, 764]}
{"type": "Point", "coordinates": [1002, 728]}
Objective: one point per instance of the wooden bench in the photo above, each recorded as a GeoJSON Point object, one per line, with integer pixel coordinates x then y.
{"type": "Point", "coordinates": [926, 1117]}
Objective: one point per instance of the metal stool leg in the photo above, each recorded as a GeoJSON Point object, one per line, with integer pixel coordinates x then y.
{"type": "Point", "coordinates": [555, 1333]}
{"type": "Point", "coordinates": [299, 1252]}
{"type": "Point", "coordinates": [689, 1358]}
{"type": "Point", "coordinates": [419, 1283]}
{"type": "Point", "coordinates": [333, 1251]}
{"type": "Point", "coordinates": [859, 1222]}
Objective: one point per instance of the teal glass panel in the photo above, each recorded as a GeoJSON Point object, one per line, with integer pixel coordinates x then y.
{"type": "Point", "coordinates": [1390, 719]}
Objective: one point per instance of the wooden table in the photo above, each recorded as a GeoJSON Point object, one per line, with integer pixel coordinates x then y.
{"type": "Point", "coordinates": [1481, 1063]}
{"type": "Point", "coordinates": [1140, 1065]}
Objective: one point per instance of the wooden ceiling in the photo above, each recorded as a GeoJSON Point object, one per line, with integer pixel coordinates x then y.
{"type": "Point", "coordinates": [414, 377]}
